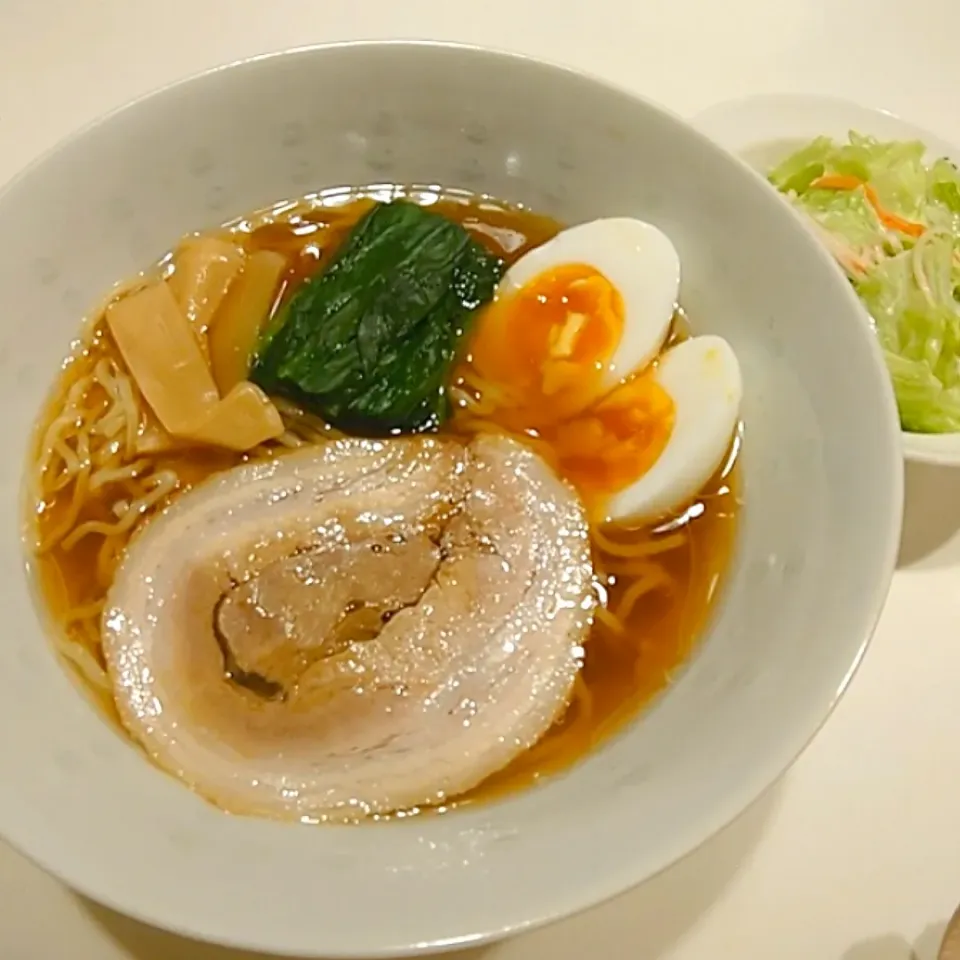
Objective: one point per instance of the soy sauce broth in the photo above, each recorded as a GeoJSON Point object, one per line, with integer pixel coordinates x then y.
{"type": "Point", "coordinates": [623, 668]}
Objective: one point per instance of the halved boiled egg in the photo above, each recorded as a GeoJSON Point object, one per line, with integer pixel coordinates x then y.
{"type": "Point", "coordinates": [577, 315]}
{"type": "Point", "coordinates": [565, 356]}
{"type": "Point", "coordinates": [702, 378]}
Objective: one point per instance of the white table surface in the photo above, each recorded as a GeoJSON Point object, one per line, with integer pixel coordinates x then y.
{"type": "Point", "coordinates": [855, 855]}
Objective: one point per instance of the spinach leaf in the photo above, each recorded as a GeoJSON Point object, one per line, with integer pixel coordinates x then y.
{"type": "Point", "coordinates": [368, 343]}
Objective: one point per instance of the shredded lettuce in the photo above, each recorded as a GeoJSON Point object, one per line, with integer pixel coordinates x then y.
{"type": "Point", "coordinates": [892, 221]}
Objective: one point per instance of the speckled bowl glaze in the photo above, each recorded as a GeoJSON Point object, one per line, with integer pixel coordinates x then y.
{"type": "Point", "coordinates": [816, 548]}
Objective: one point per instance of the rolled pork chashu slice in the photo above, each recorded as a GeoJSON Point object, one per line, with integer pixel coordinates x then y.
{"type": "Point", "coordinates": [357, 629]}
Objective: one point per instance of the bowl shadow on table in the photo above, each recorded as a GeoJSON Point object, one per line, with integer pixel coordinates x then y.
{"type": "Point", "coordinates": [892, 946]}
{"type": "Point", "coordinates": [660, 911]}
{"type": "Point", "coordinates": [931, 518]}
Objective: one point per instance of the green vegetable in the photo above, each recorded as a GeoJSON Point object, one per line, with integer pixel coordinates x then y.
{"type": "Point", "coordinates": [368, 343]}
{"type": "Point", "coordinates": [897, 236]}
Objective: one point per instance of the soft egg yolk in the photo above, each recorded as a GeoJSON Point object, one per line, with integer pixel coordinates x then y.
{"type": "Point", "coordinates": [615, 442]}
{"type": "Point", "coordinates": [547, 345]}
{"type": "Point", "coordinates": [539, 357]}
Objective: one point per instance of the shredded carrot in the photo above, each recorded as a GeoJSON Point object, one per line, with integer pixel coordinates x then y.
{"type": "Point", "coordinates": [836, 181]}
{"type": "Point", "coordinates": [891, 219]}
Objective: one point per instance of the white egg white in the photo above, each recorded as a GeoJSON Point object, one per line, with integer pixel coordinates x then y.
{"type": "Point", "coordinates": [640, 262]}
{"type": "Point", "coordinates": [702, 376]}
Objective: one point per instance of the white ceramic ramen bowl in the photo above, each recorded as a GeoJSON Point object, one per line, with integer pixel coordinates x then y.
{"type": "Point", "coordinates": [819, 532]}
{"type": "Point", "coordinates": [765, 129]}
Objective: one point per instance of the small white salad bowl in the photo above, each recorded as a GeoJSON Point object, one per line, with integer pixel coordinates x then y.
{"type": "Point", "coordinates": [817, 540]}
{"type": "Point", "coordinates": [765, 129]}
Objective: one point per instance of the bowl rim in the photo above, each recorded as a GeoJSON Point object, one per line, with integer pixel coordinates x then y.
{"type": "Point", "coordinates": [610, 884]}
{"type": "Point", "coordinates": [716, 120]}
